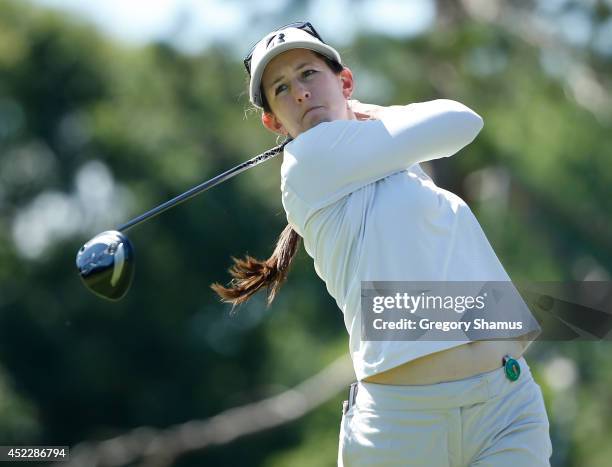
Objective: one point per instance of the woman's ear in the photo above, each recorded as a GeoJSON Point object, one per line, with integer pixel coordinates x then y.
{"type": "Point", "coordinates": [272, 123]}
{"type": "Point", "coordinates": [348, 84]}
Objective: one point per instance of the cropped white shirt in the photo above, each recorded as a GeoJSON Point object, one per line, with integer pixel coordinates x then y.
{"type": "Point", "coordinates": [367, 212]}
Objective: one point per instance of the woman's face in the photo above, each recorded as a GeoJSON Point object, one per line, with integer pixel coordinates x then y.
{"type": "Point", "coordinates": [303, 91]}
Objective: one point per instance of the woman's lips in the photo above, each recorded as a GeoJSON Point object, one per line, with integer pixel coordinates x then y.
{"type": "Point", "coordinates": [309, 110]}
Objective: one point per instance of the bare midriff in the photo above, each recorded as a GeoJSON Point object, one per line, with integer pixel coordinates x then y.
{"type": "Point", "coordinates": [452, 364]}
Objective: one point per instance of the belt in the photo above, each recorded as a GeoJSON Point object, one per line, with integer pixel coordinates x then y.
{"type": "Point", "coordinates": [512, 370]}
{"type": "Point", "coordinates": [352, 397]}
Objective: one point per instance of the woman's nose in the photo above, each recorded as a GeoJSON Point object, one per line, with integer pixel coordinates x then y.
{"type": "Point", "coordinates": [301, 92]}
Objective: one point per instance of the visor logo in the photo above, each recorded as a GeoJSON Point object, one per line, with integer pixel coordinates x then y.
{"type": "Point", "coordinates": [275, 40]}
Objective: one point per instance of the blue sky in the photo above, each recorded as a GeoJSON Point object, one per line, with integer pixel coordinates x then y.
{"type": "Point", "coordinates": [193, 24]}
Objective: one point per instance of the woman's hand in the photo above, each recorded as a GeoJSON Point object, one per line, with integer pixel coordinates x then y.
{"type": "Point", "coordinates": [365, 111]}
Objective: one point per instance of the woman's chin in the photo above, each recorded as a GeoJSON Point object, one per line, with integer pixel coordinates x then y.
{"type": "Point", "coordinates": [315, 120]}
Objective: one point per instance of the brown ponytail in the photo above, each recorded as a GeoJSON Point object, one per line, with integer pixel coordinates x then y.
{"type": "Point", "coordinates": [251, 275]}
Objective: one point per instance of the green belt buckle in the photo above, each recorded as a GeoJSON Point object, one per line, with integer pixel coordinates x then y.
{"type": "Point", "coordinates": [511, 368]}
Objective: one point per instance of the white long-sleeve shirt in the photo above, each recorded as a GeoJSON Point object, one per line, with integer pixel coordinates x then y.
{"type": "Point", "coordinates": [367, 212]}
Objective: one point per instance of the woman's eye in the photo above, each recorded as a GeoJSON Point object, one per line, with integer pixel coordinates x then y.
{"type": "Point", "coordinates": [281, 87]}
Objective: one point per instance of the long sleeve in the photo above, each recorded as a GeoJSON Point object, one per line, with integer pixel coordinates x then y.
{"type": "Point", "coordinates": [335, 158]}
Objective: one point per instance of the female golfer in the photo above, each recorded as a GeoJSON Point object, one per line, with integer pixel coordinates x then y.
{"type": "Point", "coordinates": [352, 188]}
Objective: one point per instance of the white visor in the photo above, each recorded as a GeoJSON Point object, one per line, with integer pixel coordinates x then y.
{"type": "Point", "coordinates": [276, 43]}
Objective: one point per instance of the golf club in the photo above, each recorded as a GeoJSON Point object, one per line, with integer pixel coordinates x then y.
{"type": "Point", "coordinates": [106, 262]}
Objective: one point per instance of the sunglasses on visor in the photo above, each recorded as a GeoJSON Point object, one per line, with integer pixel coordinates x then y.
{"type": "Point", "coordinates": [303, 25]}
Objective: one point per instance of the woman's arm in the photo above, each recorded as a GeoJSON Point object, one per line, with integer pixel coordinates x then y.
{"type": "Point", "coordinates": [335, 158]}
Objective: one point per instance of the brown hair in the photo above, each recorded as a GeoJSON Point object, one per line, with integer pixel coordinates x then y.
{"type": "Point", "coordinates": [249, 275]}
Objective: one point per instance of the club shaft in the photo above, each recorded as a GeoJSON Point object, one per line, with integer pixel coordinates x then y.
{"type": "Point", "coordinates": [196, 190]}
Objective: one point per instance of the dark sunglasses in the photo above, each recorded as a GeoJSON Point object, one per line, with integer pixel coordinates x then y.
{"type": "Point", "coordinates": [303, 25]}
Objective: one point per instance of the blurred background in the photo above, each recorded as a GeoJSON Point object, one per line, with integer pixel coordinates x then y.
{"type": "Point", "coordinates": [110, 108]}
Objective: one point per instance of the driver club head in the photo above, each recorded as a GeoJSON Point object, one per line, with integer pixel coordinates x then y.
{"type": "Point", "coordinates": [106, 264]}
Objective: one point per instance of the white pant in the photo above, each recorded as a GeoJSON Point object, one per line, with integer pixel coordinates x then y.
{"type": "Point", "coordinates": [481, 421]}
